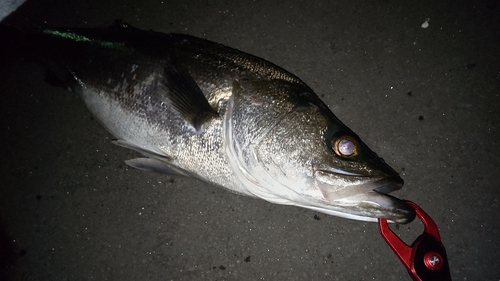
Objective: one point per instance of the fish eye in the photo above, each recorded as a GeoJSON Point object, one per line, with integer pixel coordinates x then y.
{"type": "Point", "coordinates": [345, 146]}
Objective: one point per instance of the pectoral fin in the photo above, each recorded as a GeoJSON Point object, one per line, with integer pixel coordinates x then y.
{"type": "Point", "coordinates": [185, 95]}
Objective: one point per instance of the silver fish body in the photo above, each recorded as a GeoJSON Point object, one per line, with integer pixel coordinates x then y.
{"type": "Point", "coordinates": [197, 108]}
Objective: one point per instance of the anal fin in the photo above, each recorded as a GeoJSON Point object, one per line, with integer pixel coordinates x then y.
{"type": "Point", "coordinates": [153, 165]}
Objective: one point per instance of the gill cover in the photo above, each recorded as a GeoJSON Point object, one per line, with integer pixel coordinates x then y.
{"type": "Point", "coordinates": [288, 148]}
{"type": "Point", "coordinates": [254, 109]}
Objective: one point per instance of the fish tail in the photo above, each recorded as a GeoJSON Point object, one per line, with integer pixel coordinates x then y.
{"type": "Point", "coordinates": [17, 45]}
{"type": "Point", "coordinates": [11, 44]}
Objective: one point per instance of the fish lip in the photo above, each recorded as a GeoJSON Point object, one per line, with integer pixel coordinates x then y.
{"type": "Point", "coordinates": [394, 209]}
{"type": "Point", "coordinates": [383, 184]}
{"type": "Point", "coordinates": [398, 210]}
{"type": "Point", "coordinates": [388, 185]}
{"type": "Point", "coordinates": [372, 205]}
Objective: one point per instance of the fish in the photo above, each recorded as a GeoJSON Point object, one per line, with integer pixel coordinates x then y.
{"type": "Point", "coordinates": [195, 108]}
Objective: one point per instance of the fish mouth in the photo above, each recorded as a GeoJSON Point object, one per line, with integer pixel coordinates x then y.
{"type": "Point", "coordinates": [368, 199]}
{"type": "Point", "coordinates": [398, 211]}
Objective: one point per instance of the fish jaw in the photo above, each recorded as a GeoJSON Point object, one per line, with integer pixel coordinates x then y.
{"type": "Point", "coordinates": [369, 206]}
{"type": "Point", "coordinates": [363, 198]}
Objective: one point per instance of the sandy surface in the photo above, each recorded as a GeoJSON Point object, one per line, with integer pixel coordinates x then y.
{"type": "Point", "coordinates": [426, 100]}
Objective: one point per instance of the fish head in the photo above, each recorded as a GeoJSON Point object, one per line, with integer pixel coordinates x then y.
{"type": "Point", "coordinates": [289, 148]}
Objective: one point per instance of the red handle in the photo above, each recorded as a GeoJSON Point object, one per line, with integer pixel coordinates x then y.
{"type": "Point", "coordinates": [426, 258]}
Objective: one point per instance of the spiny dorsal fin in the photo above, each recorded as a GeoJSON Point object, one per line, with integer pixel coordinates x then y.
{"type": "Point", "coordinates": [186, 96]}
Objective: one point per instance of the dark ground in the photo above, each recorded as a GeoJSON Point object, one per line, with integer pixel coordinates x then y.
{"type": "Point", "coordinates": [427, 100]}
